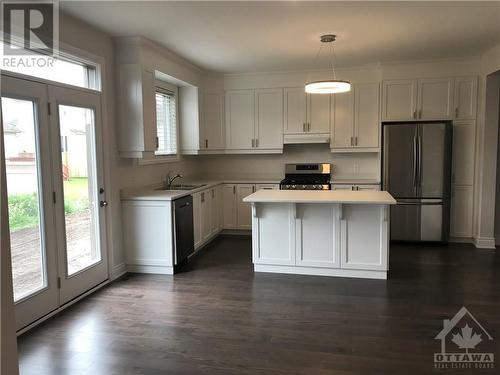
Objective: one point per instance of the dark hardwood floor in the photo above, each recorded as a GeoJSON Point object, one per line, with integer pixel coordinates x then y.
{"type": "Point", "coordinates": [218, 317]}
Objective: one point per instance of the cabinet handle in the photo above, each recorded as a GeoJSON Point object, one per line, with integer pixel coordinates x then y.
{"type": "Point", "coordinates": [456, 112]}
{"type": "Point", "coordinates": [202, 197]}
{"type": "Point", "coordinates": [355, 141]}
{"type": "Point", "coordinates": [352, 141]}
{"type": "Point", "coordinates": [420, 113]}
{"type": "Point", "coordinates": [256, 142]}
{"type": "Point", "coordinates": [352, 187]}
{"type": "Point", "coordinates": [309, 124]}
{"type": "Point", "coordinates": [303, 127]}
{"type": "Point", "coordinates": [213, 193]}
{"type": "Point", "coordinates": [415, 114]}
{"type": "Point", "coordinates": [157, 143]}
{"type": "Point", "coordinates": [206, 143]}
{"type": "Point", "coordinates": [253, 142]}
{"type": "Point", "coordinates": [253, 189]}
{"type": "Point", "coordinates": [234, 189]}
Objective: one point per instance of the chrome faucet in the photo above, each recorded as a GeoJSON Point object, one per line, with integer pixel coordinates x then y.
{"type": "Point", "coordinates": [170, 179]}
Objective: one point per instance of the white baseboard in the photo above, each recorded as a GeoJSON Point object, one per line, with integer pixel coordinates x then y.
{"type": "Point", "coordinates": [485, 242]}
{"type": "Point", "coordinates": [118, 270]}
{"type": "Point", "coordinates": [316, 271]}
{"type": "Point", "coordinates": [162, 270]}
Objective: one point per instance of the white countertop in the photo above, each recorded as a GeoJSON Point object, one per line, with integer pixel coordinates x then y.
{"type": "Point", "coordinates": [155, 193]}
{"type": "Point", "coordinates": [325, 196]}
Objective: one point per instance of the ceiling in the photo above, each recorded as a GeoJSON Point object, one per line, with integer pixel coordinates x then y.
{"type": "Point", "coordinates": [233, 37]}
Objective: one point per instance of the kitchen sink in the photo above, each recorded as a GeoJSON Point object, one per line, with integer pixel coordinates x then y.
{"type": "Point", "coordinates": [181, 187]}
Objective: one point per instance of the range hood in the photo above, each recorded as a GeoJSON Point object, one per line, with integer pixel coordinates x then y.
{"type": "Point", "coordinates": [306, 138]}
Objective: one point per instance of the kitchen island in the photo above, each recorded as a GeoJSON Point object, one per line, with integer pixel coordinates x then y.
{"type": "Point", "coordinates": [327, 233]}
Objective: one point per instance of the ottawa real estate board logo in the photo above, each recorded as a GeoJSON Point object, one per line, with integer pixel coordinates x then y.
{"type": "Point", "coordinates": [464, 344]}
{"type": "Point", "coordinates": [30, 34]}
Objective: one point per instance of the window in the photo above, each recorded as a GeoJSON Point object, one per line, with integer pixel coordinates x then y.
{"type": "Point", "coordinates": [66, 70]}
{"type": "Point", "coordinates": [166, 123]}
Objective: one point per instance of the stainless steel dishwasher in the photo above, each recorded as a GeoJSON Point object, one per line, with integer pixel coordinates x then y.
{"type": "Point", "coordinates": [183, 228]}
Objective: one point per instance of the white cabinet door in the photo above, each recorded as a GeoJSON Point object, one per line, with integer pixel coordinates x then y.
{"type": "Point", "coordinates": [214, 210]}
{"type": "Point", "coordinates": [435, 99]}
{"type": "Point", "coordinates": [342, 187]}
{"type": "Point", "coordinates": [465, 98]}
{"type": "Point", "coordinates": [214, 121]}
{"type": "Point", "coordinates": [366, 115]}
{"type": "Point", "coordinates": [197, 219]}
{"type": "Point", "coordinates": [464, 135]}
{"type": "Point", "coordinates": [240, 119]}
{"type": "Point", "coordinates": [342, 131]}
{"type": "Point", "coordinates": [267, 187]}
{"type": "Point", "coordinates": [229, 206]}
{"type": "Point", "coordinates": [269, 118]}
{"type": "Point", "coordinates": [272, 222]}
{"type": "Point", "coordinates": [205, 215]}
{"type": "Point", "coordinates": [244, 214]}
{"type": "Point", "coordinates": [317, 235]}
{"type": "Point", "coordinates": [399, 99]}
{"type": "Point", "coordinates": [318, 114]}
{"type": "Point", "coordinates": [360, 234]}
{"type": "Point", "coordinates": [461, 211]}
{"type": "Point", "coordinates": [295, 110]}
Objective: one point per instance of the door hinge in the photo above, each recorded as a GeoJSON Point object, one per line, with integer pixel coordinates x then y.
{"type": "Point", "coordinates": [49, 109]}
{"type": "Point", "coordinates": [54, 197]}
{"type": "Point", "coordinates": [58, 283]}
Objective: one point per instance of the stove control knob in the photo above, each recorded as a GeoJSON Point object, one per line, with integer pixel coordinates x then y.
{"type": "Point", "coordinates": [294, 187]}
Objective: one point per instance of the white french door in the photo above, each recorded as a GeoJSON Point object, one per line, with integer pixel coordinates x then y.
{"type": "Point", "coordinates": [29, 191]}
{"type": "Point", "coordinates": [79, 190]}
{"type": "Point", "coordinates": [55, 187]}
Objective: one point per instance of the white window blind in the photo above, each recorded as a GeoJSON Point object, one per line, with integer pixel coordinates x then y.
{"type": "Point", "coordinates": [166, 124]}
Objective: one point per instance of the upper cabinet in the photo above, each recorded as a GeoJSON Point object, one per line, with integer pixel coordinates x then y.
{"type": "Point", "coordinates": [399, 100]}
{"type": "Point", "coordinates": [137, 111]}
{"type": "Point", "coordinates": [306, 117]}
{"type": "Point", "coordinates": [254, 121]}
{"type": "Point", "coordinates": [269, 119]}
{"type": "Point", "coordinates": [435, 99]}
{"type": "Point", "coordinates": [356, 119]}
{"type": "Point", "coordinates": [201, 121]}
{"type": "Point", "coordinates": [465, 98]}
{"type": "Point", "coordinates": [429, 99]}
{"type": "Point", "coordinates": [213, 111]}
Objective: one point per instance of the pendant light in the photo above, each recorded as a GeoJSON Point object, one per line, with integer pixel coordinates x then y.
{"type": "Point", "coordinates": [328, 86]}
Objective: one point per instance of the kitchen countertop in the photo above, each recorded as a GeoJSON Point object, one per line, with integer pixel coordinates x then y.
{"type": "Point", "coordinates": [155, 193]}
{"type": "Point", "coordinates": [325, 196]}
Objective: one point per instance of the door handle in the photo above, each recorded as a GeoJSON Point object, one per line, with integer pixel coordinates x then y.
{"type": "Point", "coordinates": [103, 203]}
{"type": "Point", "coordinates": [415, 160]}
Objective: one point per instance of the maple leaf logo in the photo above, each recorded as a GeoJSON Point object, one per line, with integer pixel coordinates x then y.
{"type": "Point", "coordinates": [466, 340]}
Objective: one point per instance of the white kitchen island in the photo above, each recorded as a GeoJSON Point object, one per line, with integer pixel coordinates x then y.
{"type": "Point", "coordinates": [327, 233]}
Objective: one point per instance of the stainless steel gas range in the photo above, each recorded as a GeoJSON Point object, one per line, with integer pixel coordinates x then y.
{"type": "Point", "coordinates": [306, 177]}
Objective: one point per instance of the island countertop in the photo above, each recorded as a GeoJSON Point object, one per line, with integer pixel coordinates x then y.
{"type": "Point", "coordinates": [323, 196]}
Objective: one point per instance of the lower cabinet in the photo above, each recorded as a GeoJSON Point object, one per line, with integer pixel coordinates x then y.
{"type": "Point", "coordinates": [339, 236]}
{"type": "Point", "coordinates": [236, 213]}
{"type": "Point", "coordinates": [461, 211]}
{"type": "Point", "coordinates": [206, 215]}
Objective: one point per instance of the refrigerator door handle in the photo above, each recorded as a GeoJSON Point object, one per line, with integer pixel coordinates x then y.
{"type": "Point", "coordinates": [415, 170]}
{"type": "Point", "coordinates": [419, 150]}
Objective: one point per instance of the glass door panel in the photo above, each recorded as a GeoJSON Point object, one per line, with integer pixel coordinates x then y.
{"type": "Point", "coordinates": [23, 191]}
{"type": "Point", "coordinates": [28, 170]}
{"type": "Point", "coordinates": [78, 180]}
{"type": "Point", "coordinates": [78, 169]}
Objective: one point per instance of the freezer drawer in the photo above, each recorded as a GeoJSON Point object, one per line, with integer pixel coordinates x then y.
{"type": "Point", "coordinates": [420, 220]}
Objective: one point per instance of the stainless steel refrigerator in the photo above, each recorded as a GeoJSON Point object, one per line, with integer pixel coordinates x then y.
{"type": "Point", "coordinates": [417, 173]}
